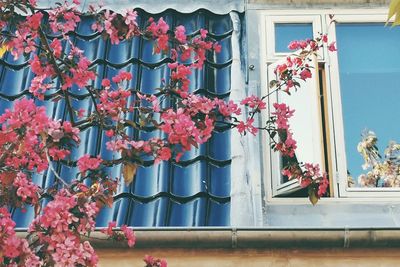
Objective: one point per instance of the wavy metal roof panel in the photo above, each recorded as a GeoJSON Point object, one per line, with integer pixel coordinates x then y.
{"type": "Point", "coordinates": [193, 192]}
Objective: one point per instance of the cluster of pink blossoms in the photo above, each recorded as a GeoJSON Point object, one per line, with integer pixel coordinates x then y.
{"type": "Point", "coordinates": [125, 233]}
{"type": "Point", "coordinates": [183, 130]}
{"type": "Point", "coordinates": [27, 135]}
{"type": "Point", "coordinates": [25, 35]}
{"type": "Point", "coordinates": [14, 250]}
{"type": "Point", "coordinates": [152, 262]}
{"type": "Point", "coordinates": [111, 22]}
{"type": "Point", "coordinates": [64, 18]}
{"type": "Point", "coordinates": [313, 44]}
{"type": "Point", "coordinates": [296, 66]}
{"type": "Point", "coordinates": [26, 190]}
{"type": "Point", "coordinates": [28, 138]}
{"type": "Point", "coordinates": [86, 163]}
{"type": "Point", "coordinates": [114, 102]}
{"type": "Point", "coordinates": [59, 226]}
{"type": "Point", "coordinates": [159, 31]}
{"type": "Point", "coordinates": [179, 76]}
{"type": "Point", "coordinates": [286, 144]}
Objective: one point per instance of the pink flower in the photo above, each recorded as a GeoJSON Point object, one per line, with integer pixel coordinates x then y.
{"type": "Point", "coordinates": [294, 45]}
{"type": "Point", "coordinates": [26, 190]}
{"type": "Point", "coordinates": [203, 33]}
{"type": "Point", "coordinates": [110, 133]}
{"type": "Point", "coordinates": [164, 153]}
{"type": "Point", "coordinates": [305, 74]}
{"type": "Point", "coordinates": [35, 20]}
{"type": "Point", "coordinates": [87, 163]}
{"type": "Point", "coordinates": [105, 83]}
{"type": "Point", "coordinates": [81, 113]}
{"type": "Point", "coordinates": [11, 250]}
{"type": "Point", "coordinates": [152, 262]}
{"type": "Point", "coordinates": [282, 113]}
{"type": "Point", "coordinates": [109, 230]}
{"type": "Point", "coordinates": [172, 65]}
{"type": "Point", "coordinates": [332, 47]}
{"type": "Point", "coordinates": [217, 47]}
{"type": "Point", "coordinates": [180, 34]}
{"type": "Point", "coordinates": [248, 126]}
{"type": "Point", "coordinates": [129, 235]}
{"type": "Point", "coordinates": [254, 102]}
{"type": "Point", "coordinates": [323, 186]}
{"type": "Point", "coordinates": [121, 76]}
{"type": "Point", "coordinates": [56, 46]}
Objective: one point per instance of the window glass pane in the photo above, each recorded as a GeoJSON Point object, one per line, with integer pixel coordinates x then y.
{"type": "Point", "coordinates": [287, 32]}
{"type": "Point", "coordinates": [369, 67]}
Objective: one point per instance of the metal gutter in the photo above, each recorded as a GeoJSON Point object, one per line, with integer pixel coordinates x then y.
{"type": "Point", "coordinates": [269, 238]}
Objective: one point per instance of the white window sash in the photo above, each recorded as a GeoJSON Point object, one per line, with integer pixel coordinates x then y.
{"type": "Point", "coordinates": [305, 125]}
{"type": "Point", "coordinates": [270, 22]}
{"type": "Point", "coordinates": [337, 115]}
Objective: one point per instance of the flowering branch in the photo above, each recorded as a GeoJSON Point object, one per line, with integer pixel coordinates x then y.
{"type": "Point", "coordinates": [30, 141]}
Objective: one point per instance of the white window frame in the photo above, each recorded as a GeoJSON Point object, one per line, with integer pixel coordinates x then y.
{"type": "Point", "coordinates": [270, 22]}
{"type": "Point", "coordinates": [344, 190]}
{"type": "Point", "coordinates": [270, 57]}
{"type": "Point", "coordinates": [335, 132]}
{"type": "Point", "coordinates": [310, 144]}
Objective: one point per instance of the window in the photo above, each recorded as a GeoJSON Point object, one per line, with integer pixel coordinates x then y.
{"type": "Point", "coordinates": [280, 30]}
{"type": "Point", "coordinates": [353, 92]}
{"type": "Point", "coordinates": [306, 104]}
{"type": "Point", "coordinates": [364, 73]}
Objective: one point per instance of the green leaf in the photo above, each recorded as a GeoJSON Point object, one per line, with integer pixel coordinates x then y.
{"type": "Point", "coordinates": [394, 9]}
{"type": "Point", "coordinates": [3, 50]}
{"type": "Point", "coordinates": [312, 195]}
{"type": "Point", "coordinates": [132, 123]}
{"type": "Point", "coordinates": [273, 83]}
{"type": "Point", "coordinates": [129, 171]}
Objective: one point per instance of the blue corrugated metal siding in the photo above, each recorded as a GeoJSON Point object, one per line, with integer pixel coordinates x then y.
{"type": "Point", "coordinates": [193, 192]}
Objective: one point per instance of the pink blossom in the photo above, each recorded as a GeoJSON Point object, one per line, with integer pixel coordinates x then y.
{"type": "Point", "coordinates": [106, 83]}
{"type": "Point", "coordinates": [35, 20]}
{"type": "Point", "coordinates": [110, 133]}
{"type": "Point", "coordinates": [305, 74]}
{"type": "Point", "coordinates": [217, 47]}
{"type": "Point", "coordinates": [180, 34]}
{"type": "Point", "coordinates": [282, 113]}
{"type": "Point", "coordinates": [26, 190]}
{"type": "Point", "coordinates": [323, 186]}
{"type": "Point", "coordinates": [294, 45]}
{"type": "Point", "coordinates": [129, 235]}
{"type": "Point", "coordinates": [88, 163]}
{"type": "Point", "coordinates": [109, 230]}
{"type": "Point", "coordinates": [254, 102]}
{"type": "Point", "coordinates": [64, 18]}
{"type": "Point", "coordinates": [332, 47]}
{"type": "Point", "coordinates": [203, 33]}
{"type": "Point", "coordinates": [248, 126]}
{"type": "Point", "coordinates": [56, 46]}
{"type": "Point", "coordinates": [152, 262]}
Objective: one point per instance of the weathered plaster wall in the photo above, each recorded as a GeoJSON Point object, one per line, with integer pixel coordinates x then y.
{"type": "Point", "coordinates": [323, 2]}
{"type": "Point", "coordinates": [255, 258]}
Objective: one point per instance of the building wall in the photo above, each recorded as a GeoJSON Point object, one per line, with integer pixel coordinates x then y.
{"type": "Point", "coordinates": [255, 258]}
{"type": "Point", "coordinates": [319, 2]}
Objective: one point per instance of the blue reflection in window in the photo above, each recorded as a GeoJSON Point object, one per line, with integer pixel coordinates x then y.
{"type": "Point", "coordinates": [369, 67]}
{"type": "Point", "coordinates": [287, 32]}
